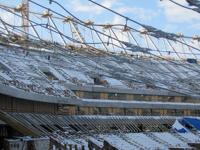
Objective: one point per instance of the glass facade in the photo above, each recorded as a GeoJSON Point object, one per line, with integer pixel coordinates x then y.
{"type": "Point", "coordinates": [137, 97]}
{"type": "Point", "coordinates": [137, 111]}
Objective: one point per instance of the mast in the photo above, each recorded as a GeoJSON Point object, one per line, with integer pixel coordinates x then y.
{"type": "Point", "coordinates": [25, 18]}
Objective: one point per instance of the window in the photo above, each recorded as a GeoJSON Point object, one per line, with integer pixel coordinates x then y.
{"type": "Point", "coordinates": [179, 112]}
{"type": "Point", "coordinates": [121, 96]}
{"type": "Point", "coordinates": [196, 112]}
{"type": "Point", "coordinates": [171, 99]}
{"type": "Point", "coordinates": [138, 97]}
{"type": "Point", "coordinates": [131, 111]}
{"type": "Point", "coordinates": [103, 111]}
{"type": "Point", "coordinates": [95, 95]}
{"type": "Point", "coordinates": [156, 112]}
{"type": "Point", "coordinates": [88, 95]}
{"type": "Point", "coordinates": [171, 112]}
{"type": "Point", "coordinates": [146, 112]}
{"type": "Point", "coordinates": [111, 95]}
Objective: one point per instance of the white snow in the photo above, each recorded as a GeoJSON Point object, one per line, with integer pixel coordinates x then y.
{"type": "Point", "coordinates": [82, 142]}
{"type": "Point", "coordinates": [118, 143]}
{"type": "Point", "coordinates": [191, 137]}
{"type": "Point", "coordinates": [53, 71]}
{"type": "Point", "coordinates": [5, 76]}
{"type": "Point", "coordinates": [79, 75]}
{"type": "Point", "coordinates": [145, 141]}
{"type": "Point", "coordinates": [169, 138]}
{"type": "Point", "coordinates": [114, 82]}
{"type": "Point", "coordinates": [97, 142]}
{"type": "Point", "coordinates": [81, 66]}
{"type": "Point", "coordinates": [56, 74]}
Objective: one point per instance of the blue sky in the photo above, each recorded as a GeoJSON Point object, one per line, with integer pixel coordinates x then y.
{"type": "Point", "coordinates": [161, 14]}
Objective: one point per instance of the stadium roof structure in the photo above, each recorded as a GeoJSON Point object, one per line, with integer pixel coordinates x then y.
{"type": "Point", "coordinates": [76, 55]}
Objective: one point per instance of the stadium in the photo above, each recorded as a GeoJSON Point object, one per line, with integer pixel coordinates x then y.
{"type": "Point", "coordinates": [68, 83]}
